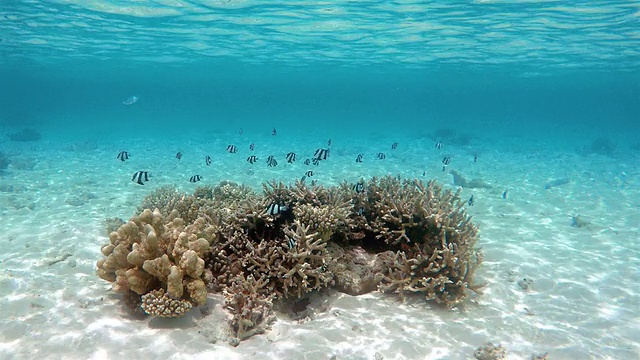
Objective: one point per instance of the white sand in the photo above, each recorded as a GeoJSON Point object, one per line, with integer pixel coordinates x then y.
{"type": "Point", "coordinates": [583, 303]}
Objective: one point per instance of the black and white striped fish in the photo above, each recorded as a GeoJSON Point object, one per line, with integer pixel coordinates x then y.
{"type": "Point", "coordinates": [381, 156]}
{"type": "Point", "coordinates": [232, 149]}
{"type": "Point", "coordinates": [275, 209]}
{"type": "Point", "coordinates": [321, 154]}
{"type": "Point", "coordinates": [471, 201]}
{"type": "Point", "coordinates": [358, 187]}
{"type": "Point", "coordinates": [445, 161]}
{"type": "Point", "coordinates": [394, 146]}
{"type": "Point", "coordinates": [140, 177]}
{"type": "Point", "coordinates": [307, 162]}
{"type": "Point", "coordinates": [252, 159]}
{"type": "Point", "coordinates": [309, 173]}
{"type": "Point", "coordinates": [123, 156]}
{"type": "Point", "coordinates": [359, 158]}
{"type": "Point", "coordinates": [252, 146]}
{"type": "Point", "coordinates": [291, 243]}
{"type": "Point", "coordinates": [316, 162]}
{"type": "Point", "coordinates": [195, 178]}
{"type": "Point", "coordinates": [271, 161]}
{"type": "Point", "coordinates": [274, 132]}
{"type": "Point", "coordinates": [207, 160]}
{"type": "Point", "coordinates": [324, 266]}
{"type": "Point", "coordinates": [178, 155]}
{"type": "Point", "coordinates": [291, 157]}
{"type": "Point", "coordinates": [439, 145]}
{"type": "Point", "coordinates": [329, 143]}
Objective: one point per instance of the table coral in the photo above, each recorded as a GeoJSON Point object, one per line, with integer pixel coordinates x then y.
{"type": "Point", "coordinates": [404, 235]}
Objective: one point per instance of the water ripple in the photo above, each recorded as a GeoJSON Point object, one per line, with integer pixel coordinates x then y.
{"type": "Point", "coordinates": [594, 34]}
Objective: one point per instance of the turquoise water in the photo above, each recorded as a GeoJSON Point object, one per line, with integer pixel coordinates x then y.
{"type": "Point", "coordinates": [545, 69]}
{"type": "Point", "coordinates": [520, 94]}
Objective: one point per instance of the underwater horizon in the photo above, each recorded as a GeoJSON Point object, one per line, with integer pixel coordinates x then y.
{"type": "Point", "coordinates": [528, 110]}
{"type": "Point", "coordinates": [554, 72]}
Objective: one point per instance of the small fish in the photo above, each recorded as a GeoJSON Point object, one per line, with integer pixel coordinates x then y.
{"type": "Point", "coordinates": [195, 178]}
{"type": "Point", "coordinates": [329, 143]}
{"type": "Point", "coordinates": [252, 159]}
{"type": "Point", "coordinates": [361, 211]}
{"type": "Point", "coordinates": [324, 267]}
{"type": "Point", "coordinates": [321, 154]}
{"type": "Point", "coordinates": [475, 158]}
{"type": "Point", "coordinates": [178, 155]}
{"type": "Point", "coordinates": [439, 145]}
{"type": "Point", "coordinates": [471, 201]}
{"type": "Point", "coordinates": [275, 209]}
{"type": "Point", "coordinates": [446, 160]}
{"type": "Point", "coordinates": [504, 194]}
{"type": "Point", "coordinates": [252, 146]}
{"type": "Point", "coordinates": [307, 162]}
{"type": "Point", "coordinates": [207, 160]}
{"type": "Point", "coordinates": [240, 132]}
{"type": "Point", "coordinates": [424, 173]}
{"type": "Point", "coordinates": [123, 156]}
{"type": "Point", "coordinates": [394, 146]}
{"type": "Point", "coordinates": [309, 173]}
{"type": "Point", "coordinates": [381, 156]}
{"type": "Point", "coordinates": [140, 177]}
{"type": "Point", "coordinates": [358, 187]}
{"type": "Point", "coordinates": [291, 243]}
{"type": "Point", "coordinates": [232, 149]}
{"type": "Point", "coordinates": [291, 157]}
{"type": "Point", "coordinates": [130, 100]}
{"type": "Point", "coordinates": [274, 132]}
{"type": "Point", "coordinates": [316, 162]}
{"type": "Point", "coordinates": [271, 161]}
{"type": "Point", "coordinates": [359, 158]}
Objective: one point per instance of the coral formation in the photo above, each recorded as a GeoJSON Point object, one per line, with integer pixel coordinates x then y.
{"type": "Point", "coordinates": [395, 235]}
{"type": "Point", "coordinates": [489, 351]}
{"type": "Point", "coordinates": [4, 161]}
{"type": "Point", "coordinates": [25, 135]}
{"type": "Point", "coordinates": [600, 146]}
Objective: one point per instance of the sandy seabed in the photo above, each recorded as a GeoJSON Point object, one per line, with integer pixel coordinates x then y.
{"type": "Point", "coordinates": [572, 292]}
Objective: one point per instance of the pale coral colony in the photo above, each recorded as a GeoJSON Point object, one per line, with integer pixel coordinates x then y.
{"type": "Point", "coordinates": [165, 260]}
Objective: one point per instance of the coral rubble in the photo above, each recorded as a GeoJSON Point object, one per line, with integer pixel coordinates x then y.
{"type": "Point", "coordinates": [399, 236]}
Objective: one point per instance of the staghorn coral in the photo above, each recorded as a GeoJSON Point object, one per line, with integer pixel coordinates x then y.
{"type": "Point", "coordinates": [250, 303]}
{"type": "Point", "coordinates": [435, 237]}
{"type": "Point", "coordinates": [389, 234]}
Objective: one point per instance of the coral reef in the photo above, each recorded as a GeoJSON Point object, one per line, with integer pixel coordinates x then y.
{"type": "Point", "coordinates": [599, 146]}
{"type": "Point", "coordinates": [452, 136]}
{"type": "Point", "coordinates": [489, 351]}
{"type": "Point", "coordinates": [25, 135]}
{"type": "Point", "coordinates": [579, 222]}
{"type": "Point", "coordinates": [392, 235]}
{"type": "Point", "coordinates": [4, 161]}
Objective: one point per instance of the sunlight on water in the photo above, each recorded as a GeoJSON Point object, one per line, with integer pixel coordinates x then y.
{"type": "Point", "coordinates": [595, 34]}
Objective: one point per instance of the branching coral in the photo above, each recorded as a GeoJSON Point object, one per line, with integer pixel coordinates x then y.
{"type": "Point", "coordinates": [404, 235]}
